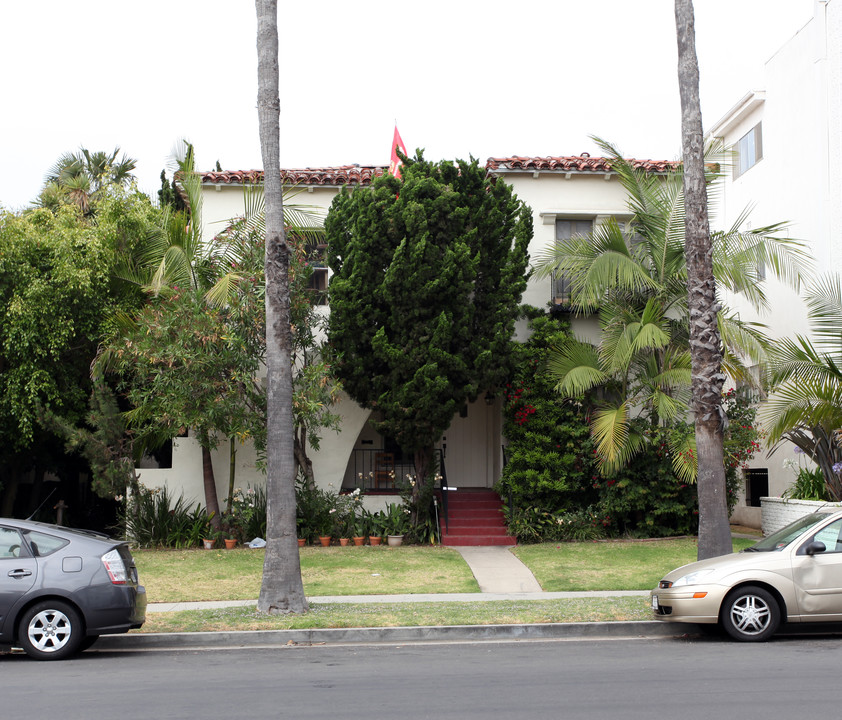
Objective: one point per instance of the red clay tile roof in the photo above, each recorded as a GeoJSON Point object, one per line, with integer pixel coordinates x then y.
{"type": "Point", "coordinates": [343, 175]}
{"type": "Point", "coordinates": [363, 175]}
{"type": "Point", "coordinates": [576, 163]}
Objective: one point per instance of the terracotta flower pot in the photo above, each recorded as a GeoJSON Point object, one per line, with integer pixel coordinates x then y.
{"type": "Point", "coordinates": [230, 543]}
{"type": "Point", "coordinates": [207, 544]}
{"type": "Point", "coordinates": [302, 542]}
{"type": "Point", "coordinates": [324, 540]}
{"type": "Point", "coordinates": [374, 539]}
{"type": "Point", "coordinates": [344, 541]}
{"type": "Point", "coordinates": [359, 540]}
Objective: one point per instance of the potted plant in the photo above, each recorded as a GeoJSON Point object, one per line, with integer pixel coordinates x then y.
{"type": "Point", "coordinates": [376, 522]}
{"type": "Point", "coordinates": [360, 527]}
{"type": "Point", "coordinates": [396, 523]}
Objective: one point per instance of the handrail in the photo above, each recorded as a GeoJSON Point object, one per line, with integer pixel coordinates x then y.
{"type": "Point", "coordinates": [444, 490]}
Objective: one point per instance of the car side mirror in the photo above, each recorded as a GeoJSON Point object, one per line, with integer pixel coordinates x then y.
{"type": "Point", "coordinates": [815, 547]}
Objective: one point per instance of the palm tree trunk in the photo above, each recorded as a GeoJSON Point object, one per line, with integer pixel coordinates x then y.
{"type": "Point", "coordinates": [705, 344]}
{"type": "Point", "coordinates": [281, 590]}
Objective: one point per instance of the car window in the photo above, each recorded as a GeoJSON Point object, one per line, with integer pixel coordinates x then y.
{"type": "Point", "coordinates": [10, 543]}
{"type": "Point", "coordinates": [43, 544]}
{"type": "Point", "coordinates": [779, 540]}
{"type": "Point", "coordinates": [830, 537]}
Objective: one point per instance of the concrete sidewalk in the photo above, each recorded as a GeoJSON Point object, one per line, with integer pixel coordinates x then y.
{"type": "Point", "coordinates": [415, 598]}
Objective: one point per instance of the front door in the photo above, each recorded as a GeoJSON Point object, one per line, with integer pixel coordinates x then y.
{"type": "Point", "coordinates": [818, 578]}
{"type": "Point", "coordinates": [18, 572]}
{"type": "Point", "coordinates": [472, 446]}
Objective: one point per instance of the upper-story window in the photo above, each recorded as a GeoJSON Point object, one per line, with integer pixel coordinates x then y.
{"type": "Point", "coordinates": [315, 250]}
{"type": "Point", "coordinates": [749, 150]}
{"type": "Point", "coordinates": [564, 230]}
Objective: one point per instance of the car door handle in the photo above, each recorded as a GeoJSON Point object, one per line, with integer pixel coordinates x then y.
{"type": "Point", "coordinates": [19, 573]}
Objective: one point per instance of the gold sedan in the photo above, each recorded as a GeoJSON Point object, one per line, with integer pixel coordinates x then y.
{"type": "Point", "coordinates": [794, 575]}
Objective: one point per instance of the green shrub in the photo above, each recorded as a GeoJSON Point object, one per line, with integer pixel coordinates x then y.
{"type": "Point", "coordinates": [549, 453]}
{"type": "Point", "coordinates": [152, 518]}
{"type": "Point", "coordinates": [809, 485]}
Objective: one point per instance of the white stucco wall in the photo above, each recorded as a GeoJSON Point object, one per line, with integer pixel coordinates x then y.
{"type": "Point", "coordinates": [474, 456]}
{"type": "Point", "coordinates": [798, 179]}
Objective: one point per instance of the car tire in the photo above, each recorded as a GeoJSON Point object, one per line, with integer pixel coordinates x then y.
{"type": "Point", "coordinates": [750, 614]}
{"type": "Point", "coordinates": [51, 630]}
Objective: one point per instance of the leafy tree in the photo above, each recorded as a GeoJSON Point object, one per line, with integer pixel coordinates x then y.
{"type": "Point", "coordinates": [57, 299]}
{"type": "Point", "coordinates": [106, 443]}
{"type": "Point", "coordinates": [805, 402]}
{"type": "Point", "coordinates": [182, 363]}
{"type": "Point", "coordinates": [428, 274]}
{"type": "Point", "coordinates": [281, 590]}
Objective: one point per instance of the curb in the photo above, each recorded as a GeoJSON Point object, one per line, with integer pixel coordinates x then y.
{"type": "Point", "coordinates": [344, 636]}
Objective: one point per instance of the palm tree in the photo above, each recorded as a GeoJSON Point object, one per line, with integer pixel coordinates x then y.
{"type": "Point", "coordinates": [635, 276]}
{"type": "Point", "coordinates": [805, 402]}
{"type": "Point", "coordinates": [79, 178]}
{"type": "Point", "coordinates": [281, 590]}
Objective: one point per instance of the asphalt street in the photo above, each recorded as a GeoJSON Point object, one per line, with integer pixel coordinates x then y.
{"type": "Point", "coordinates": [629, 679]}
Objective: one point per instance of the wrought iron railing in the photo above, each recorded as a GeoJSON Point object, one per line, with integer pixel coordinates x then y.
{"type": "Point", "coordinates": [381, 470]}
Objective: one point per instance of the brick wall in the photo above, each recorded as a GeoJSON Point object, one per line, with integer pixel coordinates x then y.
{"type": "Point", "coordinates": [778, 512]}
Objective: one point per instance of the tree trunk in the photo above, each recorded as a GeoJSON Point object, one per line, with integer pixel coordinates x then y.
{"type": "Point", "coordinates": [302, 460]}
{"type": "Point", "coordinates": [421, 460]}
{"type": "Point", "coordinates": [211, 499]}
{"type": "Point", "coordinates": [705, 344]}
{"type": "Point", "coordinates": [281, 590]}
{"type": "Point", "coordinates": [232, 470]}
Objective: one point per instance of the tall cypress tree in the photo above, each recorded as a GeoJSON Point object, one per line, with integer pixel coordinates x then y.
{"type": "Point", "coordinates": [428, 275]}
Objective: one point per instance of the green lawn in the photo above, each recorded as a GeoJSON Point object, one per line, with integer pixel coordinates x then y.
{"type": "Point", "coordinates": [621, 565]}
{"type": "Point", "coordinates": [185, 575]}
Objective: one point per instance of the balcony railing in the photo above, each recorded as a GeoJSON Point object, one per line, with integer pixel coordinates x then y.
{"type": "Point", "coordinates": [381, 470]}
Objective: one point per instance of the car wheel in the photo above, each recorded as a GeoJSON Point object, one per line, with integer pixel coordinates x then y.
{"type": "Point", "coordinates": [750, 614]}
{"type": "Point", "coordinates": [50, 630]}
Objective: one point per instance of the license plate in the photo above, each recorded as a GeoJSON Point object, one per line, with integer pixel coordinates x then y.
{"type": "Point", "coordinates": [655, 602]}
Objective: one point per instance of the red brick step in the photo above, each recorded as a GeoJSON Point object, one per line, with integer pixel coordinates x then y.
{"type": "Point", "coordinates": [475, 517]}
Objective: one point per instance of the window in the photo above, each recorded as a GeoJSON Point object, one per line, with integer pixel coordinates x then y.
{"type": "Point", "coordinates": [318, 284]}
{"type": "Point", "coordinates": [43, 544]}
{"type": "Point", "coordinates": [564, 230]}
{"type": "Point", "coordinates": [757, 485]}
{"type": "Point", "coordinates": [749, 151]}
{"type": "Point", "coordinates": [315, 251]}
{"type": "Point", "coordinates": [830, 536]}
{"type": "Point", "coordinates": [10, 543]}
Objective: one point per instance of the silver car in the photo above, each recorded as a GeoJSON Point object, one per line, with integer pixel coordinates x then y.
{"type": "Point", "coordinates": [60, 589]}
{"type": "Point", "coordinates": [793, 576]}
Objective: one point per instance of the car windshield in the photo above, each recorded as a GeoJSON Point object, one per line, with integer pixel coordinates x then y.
{"type": "Point", "coordinates": [779, 540]}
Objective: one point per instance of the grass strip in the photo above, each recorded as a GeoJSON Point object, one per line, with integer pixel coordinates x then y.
{"type": "Point", "coordinates": [352, 615]}
{"type": "Point", "coordinates": [621, 565]}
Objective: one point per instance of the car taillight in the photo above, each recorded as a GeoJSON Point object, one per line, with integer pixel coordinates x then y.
{"type": "Point", "coordinates": [115, 567]}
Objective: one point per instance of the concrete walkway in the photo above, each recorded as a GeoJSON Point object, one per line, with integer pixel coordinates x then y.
{"type": "Point", "coordinates": [497, 570]}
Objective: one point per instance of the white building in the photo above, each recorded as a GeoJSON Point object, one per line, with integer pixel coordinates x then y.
{"type": "Point", "coordinates": [566, 194]}
{"type": "Point", "coordinates": [787, 138]}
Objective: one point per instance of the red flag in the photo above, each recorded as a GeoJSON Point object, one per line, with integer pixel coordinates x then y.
{"type": "Point", "coordinates": [395, 166]}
